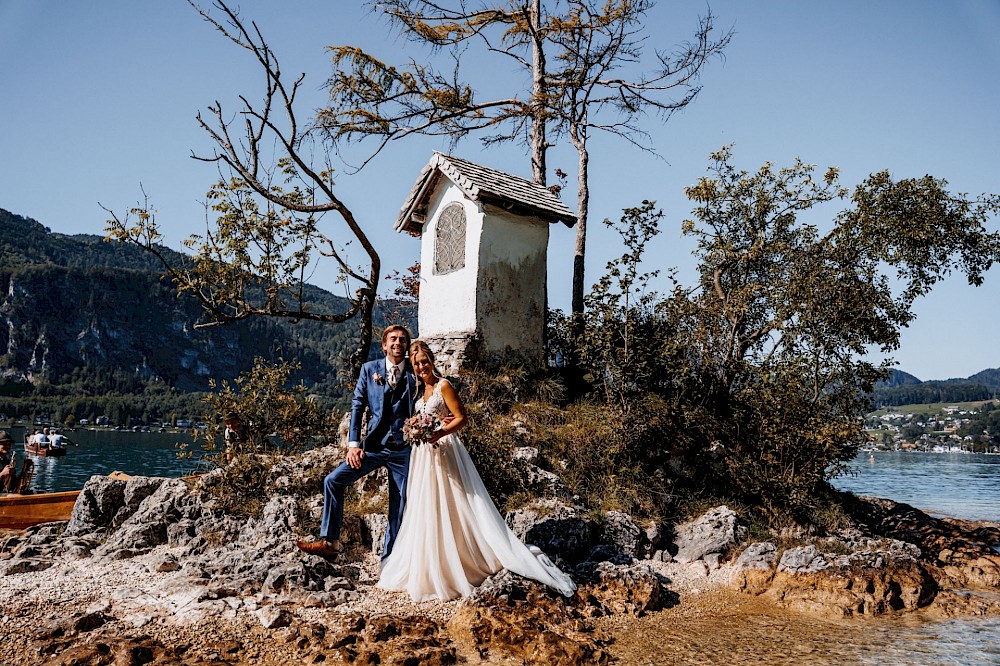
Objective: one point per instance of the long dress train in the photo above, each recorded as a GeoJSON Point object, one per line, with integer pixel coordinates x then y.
{"type": "Point", "coordinates": [452, 537]}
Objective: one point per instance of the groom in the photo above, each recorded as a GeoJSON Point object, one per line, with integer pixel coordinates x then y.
{"type": "Point", "coordinates": [387, 388]}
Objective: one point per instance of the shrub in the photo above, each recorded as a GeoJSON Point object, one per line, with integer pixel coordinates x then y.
{"type": "Point", "coordinates": [242, 487]}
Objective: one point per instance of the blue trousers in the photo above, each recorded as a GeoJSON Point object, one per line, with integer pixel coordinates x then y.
{"type": "Point", "coordinates": [337, 481]}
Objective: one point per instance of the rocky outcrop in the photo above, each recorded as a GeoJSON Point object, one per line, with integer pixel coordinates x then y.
{"type": "Point", "coordinates": [961, 553]}
{"type": "Point", "coordinates": [191, 565]}
{"type": "Point", "coordinates": [844, 575]}
{"type": "Point", "coordinates": [524, 620]}
{"type": "Point", "coordinates": [194, 565]}
{"type": "Point", "coordinates": [212, 557]}
{"type": "Point", "coordinates": [621, 539]}
{"type": "Point", "coordinates": [754, 569]}
{"type": "Point", "coordinates": [96, 505]}
{"type": "Point", "coordinates": [540, 482]}
{"type": "Point", "coordinates": [141, 524]}
{"type": "Point", "coordinates": [348, 638]}
{"type": "Point", "coordinates": [633, 589]}
{"type": "Point", "coordinates": [859, 583]}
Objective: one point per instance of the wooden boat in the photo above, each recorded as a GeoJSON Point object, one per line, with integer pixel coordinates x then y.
{"type": "Point", "coordinates": [20, 511]}
{"type": "Point", "coordinates": [36, 450]}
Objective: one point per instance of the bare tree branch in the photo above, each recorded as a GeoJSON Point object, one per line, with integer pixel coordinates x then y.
{"type": "Point", "coordinates": [269, 201]}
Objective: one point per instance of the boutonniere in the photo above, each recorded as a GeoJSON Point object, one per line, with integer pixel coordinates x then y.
{"type": "Point", "coordinates": [379, 379]}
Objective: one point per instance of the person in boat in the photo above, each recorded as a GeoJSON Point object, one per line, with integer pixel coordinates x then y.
{"type": "Point", "coordinates": [235, 434]}
{"type": "Point", "coordinates": [9, 478]}
{"type": "Point", "coordinates": [39, 439]}
{"type": "Point", "coordinates": [57, 440]}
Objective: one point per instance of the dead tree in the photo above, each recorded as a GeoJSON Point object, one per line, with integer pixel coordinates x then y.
{"type": "Point", "coordinates": [269, 203]}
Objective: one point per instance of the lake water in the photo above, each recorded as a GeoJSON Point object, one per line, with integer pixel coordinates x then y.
{"type": "Point", "coordinates": [105, 451]}
{"type": "Point", "coordinates": [959, 485]}
{"type": "Point", "coordinates": [943, 484]}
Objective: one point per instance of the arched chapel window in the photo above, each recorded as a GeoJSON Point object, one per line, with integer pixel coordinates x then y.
{"type": "Point", "coordinates": [449, 240]}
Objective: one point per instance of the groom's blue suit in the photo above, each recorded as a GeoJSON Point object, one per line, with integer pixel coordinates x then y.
{"type": "Point", "coordinates": [383, 447]}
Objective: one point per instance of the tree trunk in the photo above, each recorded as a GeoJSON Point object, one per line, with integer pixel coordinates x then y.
{"type": "Point", "coordinates": [538, 145]}
{"type": "Point", "coordinates": [578, 135]}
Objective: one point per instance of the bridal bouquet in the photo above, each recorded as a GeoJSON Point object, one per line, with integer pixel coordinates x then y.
{"type": "Point", "coordinates": [418, 428]}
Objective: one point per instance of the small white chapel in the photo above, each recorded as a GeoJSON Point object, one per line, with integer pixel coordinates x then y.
{"type": "Point", "coordinates": [484, 237]}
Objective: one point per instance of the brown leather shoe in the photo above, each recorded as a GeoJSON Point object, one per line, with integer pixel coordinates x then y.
{"type": "Point", "coordinates": [321, 548]}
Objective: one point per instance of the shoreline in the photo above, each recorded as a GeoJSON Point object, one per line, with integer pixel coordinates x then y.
{"type": "Point", "coordinates": [83, 607]}
{"type": "Point", "coordinates": [152, 566]}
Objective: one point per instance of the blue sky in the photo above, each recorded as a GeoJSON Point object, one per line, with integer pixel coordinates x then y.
{"type": "Point", "coordinates": [99, 99]}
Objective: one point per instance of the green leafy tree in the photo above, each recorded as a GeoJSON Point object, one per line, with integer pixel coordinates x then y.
{"type": "Point", "coordinates": [784, 314]}
{"type": "Point", "coordinates": [621, 314]}
{"type": "Point", "coordinates": [277, 420]}
{"type": "Point", "coordinates": [764, 360]}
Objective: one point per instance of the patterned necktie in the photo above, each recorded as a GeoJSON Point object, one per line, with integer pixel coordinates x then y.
{"type": "Point", "coordinates": [393, 376]}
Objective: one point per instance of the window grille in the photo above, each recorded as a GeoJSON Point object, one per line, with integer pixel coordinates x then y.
{"type": "Point", "coordinates": [449, 240]}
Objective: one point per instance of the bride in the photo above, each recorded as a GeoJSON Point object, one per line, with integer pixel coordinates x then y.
{"type": "Point", "coordinates": [452, 537]}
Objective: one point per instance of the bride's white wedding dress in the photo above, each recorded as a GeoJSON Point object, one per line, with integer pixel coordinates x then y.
{"type": "Point", "coordinates": [452, 537]}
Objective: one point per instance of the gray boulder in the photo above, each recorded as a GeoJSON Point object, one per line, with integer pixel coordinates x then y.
{"type": "Point", "coordinates": [26, 565]}
{"type": "Point", "coordinates": [146, 527]}
{"type": "Point", "coordinates": [274, 530]}
{"type": "Point", "coordinates": [137, 489]}
{"type": "Point", "coordinates": [803, 560]}
{"type": "Point", "coordinates": [757, 556]}
{"type": "Point", "coordinates": [272, 617]}
{"type": "Point", "coordinates": [754, 568]}
{"type": "Point", "coordinates": [869, 582]}
{"type": "Point", "coordinates": [374, 526]}
{"type": "Point", "coordinates": [621, 532]}
{"type": "Point", "coordinates": [717, 531]}
{"type": "Point", "coordinates": [558, 529]}
{"type": "Point", "coordinates": [96, 506]}
{"type": "Point", "coordinates": [610, 588]}
{"type": "Point", "coordinates": [291, 576]}
{"type": "Point", "coordinates": [541, 482]}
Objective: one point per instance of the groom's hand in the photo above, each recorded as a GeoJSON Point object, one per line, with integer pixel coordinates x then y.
{"type": "Point", "coordinates": [354, 457]}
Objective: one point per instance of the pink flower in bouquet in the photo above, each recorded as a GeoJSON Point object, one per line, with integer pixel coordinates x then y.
{"type": "Point", "coordinates": [419, 428]}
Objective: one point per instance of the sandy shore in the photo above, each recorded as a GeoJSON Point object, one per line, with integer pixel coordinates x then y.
{"type": "Point", "coordinates": [708, 623]}
{"type": "Point", "coordinates": [40, 609]}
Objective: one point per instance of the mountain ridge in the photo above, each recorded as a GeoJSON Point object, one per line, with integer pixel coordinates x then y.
{"type": "Point", "coordinates": [77, 307]}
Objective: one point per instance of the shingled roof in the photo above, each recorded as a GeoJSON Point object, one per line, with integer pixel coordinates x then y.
{"type": "Point", "coordinates": [483, 185]}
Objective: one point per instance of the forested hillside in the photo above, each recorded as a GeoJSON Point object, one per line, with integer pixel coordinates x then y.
{"type": "Point", "coordinates": [904, 389]}
{"type": "Point", "coordinates": [87, 325]}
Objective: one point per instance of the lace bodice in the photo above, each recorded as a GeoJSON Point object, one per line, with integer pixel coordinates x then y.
{"type": "Point", "coordinates": [435, 405]}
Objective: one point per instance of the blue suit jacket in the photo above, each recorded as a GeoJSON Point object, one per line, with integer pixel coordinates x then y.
{"type": "Point", "coordinates": [371, 394]}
